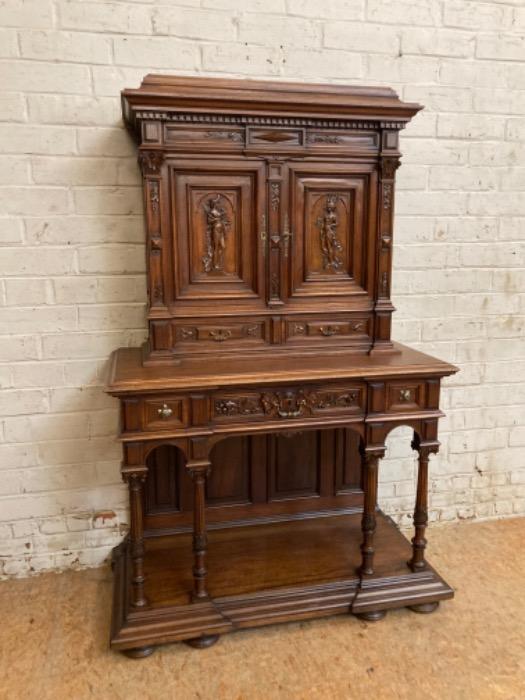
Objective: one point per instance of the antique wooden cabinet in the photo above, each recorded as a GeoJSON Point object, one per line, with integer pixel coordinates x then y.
{"type": "Point", "coordinates": [255, 417]}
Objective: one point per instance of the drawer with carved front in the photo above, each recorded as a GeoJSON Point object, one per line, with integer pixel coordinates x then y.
{"type": "Point", "coordinates": [340, 329]}
{"type": "Point", "coordinates": [405, 395]}
{"type": "Point", "coordinates": [219, 332]}
{"type": "Point", "coordinates": [289, 403]}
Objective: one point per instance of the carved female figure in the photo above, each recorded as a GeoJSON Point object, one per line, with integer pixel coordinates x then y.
{"type": "Point", "coordinates": [217, 227]}
{"type": "Point", "coordinates": [330, 243]}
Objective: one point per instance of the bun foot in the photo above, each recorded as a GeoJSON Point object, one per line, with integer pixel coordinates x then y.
{"type": "Point", "coordinates": [372, 616]}
{"type": "Point", "coordinates": [424, 608]}
{"type": "Point", "coordinates": [139, 652]}
{"type": "Point", "coordinates": [207, 640]}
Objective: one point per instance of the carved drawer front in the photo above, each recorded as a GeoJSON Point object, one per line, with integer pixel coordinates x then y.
{"type": "Point", "coordinates": [337, 328]}
{"type": "Point", "coordinates": [288, 403]}
{"type": "Point", "coordinates": [273, 138]}
{"type": "Point", "coordinates": [212, 138]}
{"type": "Point", "coordinates": [405, 396]}
{"type": "Point", "coordinates": [349, 141]}
{"type": "Point", "coordinates": [222, 332]}
{"type": "Point", "coordinates": [165, 413]}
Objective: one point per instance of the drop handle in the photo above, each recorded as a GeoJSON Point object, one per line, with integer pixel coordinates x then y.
{"type": "Point", "coordinates": [165, 412]}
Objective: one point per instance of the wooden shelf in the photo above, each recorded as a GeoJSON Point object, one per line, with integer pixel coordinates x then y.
{"type": "Point", "coordinates": [277, 572]}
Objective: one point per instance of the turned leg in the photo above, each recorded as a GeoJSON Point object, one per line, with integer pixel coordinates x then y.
{"type": "Point", "coordinates": [199, 472]}
{"type": "Point", "coordinates": [418, 563]}
{"type": "Point", "coordinates": [368, 522]}
{"type": "Point", "coordinates": [135, 480]}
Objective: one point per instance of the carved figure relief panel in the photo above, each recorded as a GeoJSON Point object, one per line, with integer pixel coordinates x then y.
{"type": "Point", "coordinates": [216, 206]}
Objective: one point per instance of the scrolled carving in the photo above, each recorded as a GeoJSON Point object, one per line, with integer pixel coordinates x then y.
{"type": "Point", "coordinates": [234, 136]}
{"type": "Point", "coordinates": [330, 244]}
{"type": "Point", "coordinates": [154, 195]}
{"type": "Point", "coordinates": [387, 195]}
{"type": "Point", "coordinates": [275, 196]}
{"type": "Point", "coordinates": [237, 407]}
{"type": "Point", "coordinates": [323, 138]}
{"type": "Point", "coordinates": [217, 225]}
{"type": "Point", "coordinates": [219, 335]}
{"type": "Point", "coordinates": [328, 331]}
{"type": "Point", "coordinates": [150, 161]}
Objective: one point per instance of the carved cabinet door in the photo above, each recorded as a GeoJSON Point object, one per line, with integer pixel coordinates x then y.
{"type": "Point", "coordinates": [218, 209]}
{"type": "Point", "coordinates": [332, 214]}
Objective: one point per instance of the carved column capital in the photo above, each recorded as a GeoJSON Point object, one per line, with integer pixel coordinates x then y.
{"type": "Point", "coordinates": [135, 474]}
{"type": "Point", "coordinates": [425, 447]}
{"type": "Point", "coordinates": [389, 165]}
{"type": "Point", "coordinates": [150, 161]}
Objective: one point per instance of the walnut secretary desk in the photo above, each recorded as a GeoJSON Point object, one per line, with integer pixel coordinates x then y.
{"type": "Point", "coordinates": [254, 418]}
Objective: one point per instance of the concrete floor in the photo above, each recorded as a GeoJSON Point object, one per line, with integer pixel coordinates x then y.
{"type": "Point", "coordinates": [54, 631]}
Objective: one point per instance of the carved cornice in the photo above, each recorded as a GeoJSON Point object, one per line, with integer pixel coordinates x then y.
{"type": "Point", "coordinates": [260, 120]}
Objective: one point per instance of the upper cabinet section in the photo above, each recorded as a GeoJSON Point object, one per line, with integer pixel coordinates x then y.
{"type": "Point", "coordinates": [269, 213]}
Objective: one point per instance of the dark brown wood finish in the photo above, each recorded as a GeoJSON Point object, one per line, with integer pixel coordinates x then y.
{"type": "Point", "coordinates": [255, 418]}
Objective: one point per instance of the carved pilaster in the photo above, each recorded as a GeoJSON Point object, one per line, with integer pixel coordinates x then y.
{"type": "Point", "coordinates": [151, 164]}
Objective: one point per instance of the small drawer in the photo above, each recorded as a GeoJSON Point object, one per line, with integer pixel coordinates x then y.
{"type": "Point", "coordinates": [165, 414]}
{"type": "Point", "coordinates": [350, 141]}
{"type": "Point", "coordinates": [405, 396]}
{"type": "Point", "coordinates": [338, 329]}
{"type": "Point", "coordinates": [219, 332]}
{"type": "Point", "coordinates": [213, 138]}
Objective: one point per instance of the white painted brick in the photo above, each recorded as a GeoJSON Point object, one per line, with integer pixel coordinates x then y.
{"type": "Point", "coordinates": [84, 230]}
{"type": "Point", "coordinates": [12, 107]}
{"type": "Point", "coordinates": [108, 317]}
{"type": "Point", "coordinates": [73, 109]}
{"type": "Point", "coordinates": [434, 203]}
{"type": "Point", "coordinates": [241, 58]}
{"type": "Point", "coordinates": [447, 177]}
{"type": "Point", "coordinates": [471, 127]}
{"type": "Point", "coordinates": [361, 36]}
{"type": "Point", "coordinates": [472, 73]}
{"type": "Point", "coordinates": [501, 46]}
{"type": "Point", "coordinates": [80, 345]}
{"type": "Point", "coordinates": [467, 229]}
{"type": "Point", "coordinates": [16, 403]}
{"type": "Point", "coordinates": [436, 152]}
{"type": "Point", "coordinates": [330, 9]}
{"type": "Point", "coordinates": [104, 16]}
{"type": "Point", "coordinates": [110, 80]}
{"type": "Point", "coordinates": [397, 69]}
{"type": "Point", "coordinates": [440, 98]}
{"type": "Point", "coordinates": [99, 289]}
{"type": "Point", "coordinates": [29, 291]}
{"type": "Point", "coordinates": [37, 261]}
{"type": "Point", "coordinates": [285, 31]}
{"type": "Point", "coordinates": [19, 347]}
{"type": "Point", "coordinates": [332, 64]}
{"type": "Point", "coordinates": [271, 6]}
{"type": "Point", "coordinates": [65, 46]}
{"type": "Point", "coordinates": [477, 15]}
{"type": "Point", "coordinates": [104, 142]}
{"type": "Point", "coordinates": [437, 42]}
{"type": "Point", "coordinates": [14, 171]}
{"type": "Point", "coordinates": [26, 13]}
{"type": "Point", "coordinates": [119, 259]}
{"type": "Point", "coordinates": [115, 200]}
{"type": "Point", "coordinates": [193, 23]}
{"type": "Point", "coordinates": [513, 179]}
{"type": "Point", "coordinates": [156, 52]}
{"type": "Point", "coordinates": [31, 200]}
{"type": "Point", "coordinates": [424, 12]}
{"type": "Point", "coordinates": [502, 101]}
{"type": "Point", "coordinates": [37, 139]}
{"type": "Point", "coordinates": [38, 319]}
{"type": "Point", "coordinates": [45, 77]}
{"type": "Point", "coordinates": [496, 153]}
{"type": "Point", "coordinates": [8, 45]}
{"type": "Point", "coordinates": [516, 129]}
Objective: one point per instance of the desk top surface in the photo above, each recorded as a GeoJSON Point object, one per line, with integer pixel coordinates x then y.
{"type": "Point", "coordinates": [128, 374]}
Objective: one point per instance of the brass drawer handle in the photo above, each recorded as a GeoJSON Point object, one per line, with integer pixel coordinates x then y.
{"type": "Point", "coordinates": [165, 412]}
{"type": "Point", "coordinates": [327, 331]}
{"type": "Point", "coordinates": [220, 335]}
{"type": "Point", "coordinates": [405, 395]}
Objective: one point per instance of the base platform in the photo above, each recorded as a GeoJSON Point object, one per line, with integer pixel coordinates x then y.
{"type": "Point", "coordinates": [279, 572]}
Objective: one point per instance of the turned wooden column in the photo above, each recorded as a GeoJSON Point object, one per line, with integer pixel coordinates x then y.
{"type": "Point", "coordinates": [419, 542]}
{"type": "Point", "coordinates": [199, 470]}
{"type": "Point", "coordinates": [135, 479]}
{"type": "Point", "coordinates": [368, 523]}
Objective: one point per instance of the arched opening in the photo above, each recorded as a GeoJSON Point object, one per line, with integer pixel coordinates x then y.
{"type": "Point", "coordinates": [253, 477]}
{"type": "Point", "coordinates": [398, 476]}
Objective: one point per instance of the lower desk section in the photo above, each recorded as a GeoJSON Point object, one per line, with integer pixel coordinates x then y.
{"type": "Point", "coordinates": [264, 574]}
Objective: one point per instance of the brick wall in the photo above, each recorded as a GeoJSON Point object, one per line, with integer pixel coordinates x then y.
{"type": "Point", "coordinates": [72, 234]}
